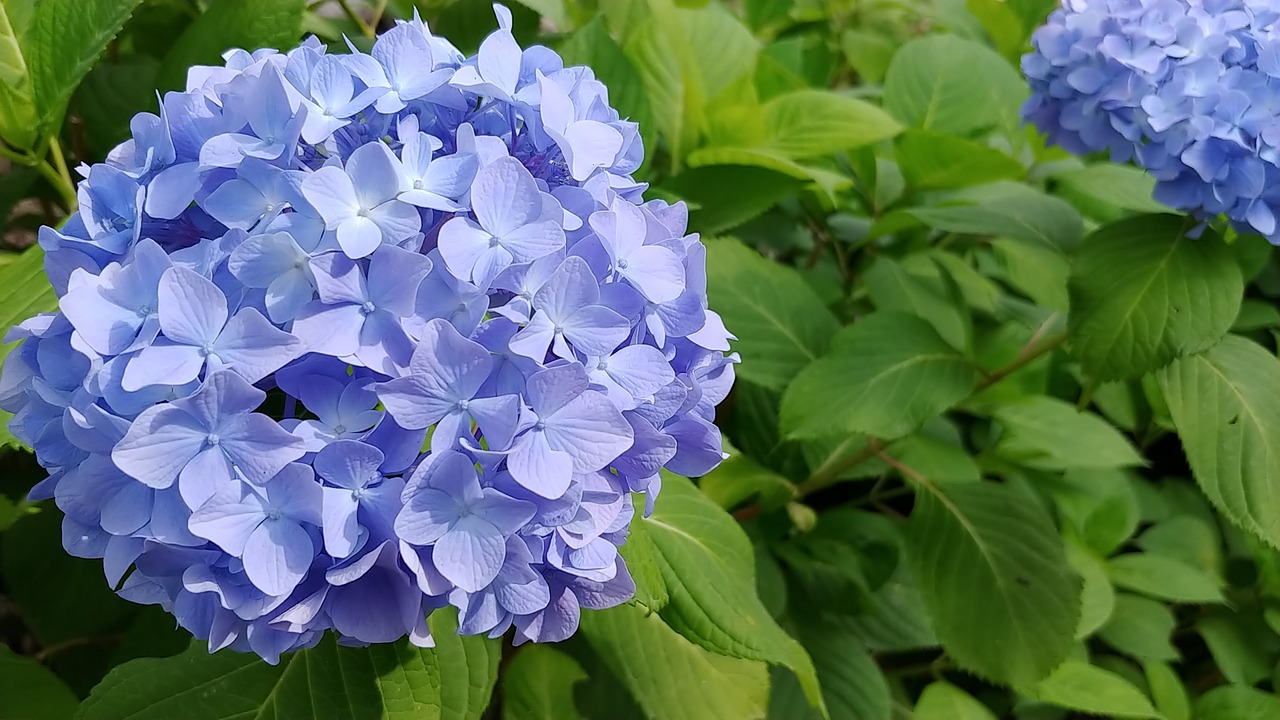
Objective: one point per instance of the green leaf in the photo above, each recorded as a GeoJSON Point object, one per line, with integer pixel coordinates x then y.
{"type": "Point", "coordinates": [1167, 691]}
{"type": "Point", "coordinates": [1140, 628]}
{"type": "Point", "coordinates": [1243, 647]}
{"type": "Point", "coordinates": [1036, 271]}
{"type": "Point", "coordinates": [17, 106]}
{"type": "Point", "coordinates": [64, 40]}
{"type": "Point", "coordinates": [953, 85]}
{"type": "Point", "coordinates": [245, 24]}
{"type": "Point", "coordinates": [396, 681]}
{"type": "Point", "coordinates": [943, 701]}
{"type": "Point", "coordinates": [886, 375]}
{"type": "Point", "coordinates": [935, 160]}
{"type": "Point", "coordinates": [538, 685]}
{"type": "Point", "coordinates": [670, 677]}
{"type": "Point", "coordinates": [892, 285]}
{"type": "Point", "coordinates": [1187, 538]}
{"type": "Point", "coordinates": [740, 479]}
{"type": "Point", "coordinates": [1097, 597]}
{"type": "Point", "coordinates": [709, 568]}
{"type": "Point", "coordinates": [808, 123]}
{"type": "Point", "coordinates": [1225, 404]}
{"type": "Point", "coordinates": [781, 324]}
{"type": "Point", "coordinates": [869, 53]}
{"type": "Point", "coordinates": [852, 683]}
{"type": "Point", "coordinates": [553, 10]}
{"type": "Point", "coordinates": [62, 597]}
{"type": "Point", "coordinates": [13, 67]}
{"type": "Point", "coordinates": [1080, 686]}
{"type": "Point", "coordinates": [1012, 210]}
{"type": "Point", "coordinates": [939, 458]}
{"type": "Point", "coordinates": [592, 46]}
{"type": "Point", "coordinates": [24, 291]}
{"type": "Point", "coordinates": [1049, 434]}
{"type": "Point", "coordinates": [1164, 577]}
{"type": "Point", "coordinates": [1236, 703]}
{"type": "Point", "coordinates": [1144, 294]}
{"type": "Point", "coordinates": [1002, 24]}
{"type": "Point", "coordinates": [1123, 186]}
{"type": "Point", "coordinates": [992, 571]}
{"type": "Point", "coordinates": [641, 557]}
{"type": "Point", "coordinates": [657, 43]}
{"type": "Point", "coordinates": [32, 692]}
{"type": "Point", "coordinates": [724, 50]}
{"type": "Point", "coordinates": [1100, 503]}
{"type": "Point", "coordinates": [725, 196]}
{"type": "Point", "coordinates": [894, 617]}
{"type": "Point", "coordinates": [109, 97]}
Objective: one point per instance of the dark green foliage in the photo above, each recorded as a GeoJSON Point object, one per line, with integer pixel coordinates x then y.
{"type": "Point", "coordinates": [1005, 442]}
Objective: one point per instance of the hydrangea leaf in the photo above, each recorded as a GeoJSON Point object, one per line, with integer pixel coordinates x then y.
{"type": "Point", "coordinates": [1051, 434]}
{"type": "Point", "coordinates": [886, 375]}
{"type": "Point", "coordinates": [895, 286]}
{"type": "Point", "coordinates": [943, 701]}
{"type": "Point", "coordinates": [1225, 404]}
{"type": "Point", "coordinates": [934, 160]}
{"type": "Point", "coordinates": [110, 95]}
{"type": "Point", "coordinates": [731, 189]}
{"type": "Point", "coordinates": [1097, 597]}
{"type": "Point", "coordinates": [1242, 645]}
{"type": "Point", "coordinates": [24, 291]}
{"type": "Point", "coordinates": [953, 85]}
{"type": "Point", "coordinates": [641, 557]}
{"type": "Point", "coordinates": [669, 676]}
{"type": "Point", "coordinates": [17, 106]}
{"type": "Point", "coordinates": [453, 680]}
{"type": "Point", "coordinates": [62, 597]}
{"type": "Point", "coordinates": [1164, 577]}
{"type": "Point", "coordinates": [1140, 628]}
{"type": "Point", "coordinates": [1236, 703]}
{"type": "Point", "coordinates": [1125, 187]}
{"type": "Point", "coordinates": [1002, 209]}
{"type": "Point", "coordinates": [656, 41]}
{"type": "Point", "coordinates": [739, 479]}
{"type": "Point", "coordinates": [42, 694]}
{"type": "Point", "coordinates": [707, 562]}
{"type": "Point", "coordinates": [62, 43]}
{"type": "Point", "coordinates": [1077, 685]}
{"type": "Point", "coordinates": [538, 685]}
{"type": "Point", "coordinates": [1167, 691]}
{"type": "Point", "coordinates": [853, 685]}
{"type": "Point", "coordinates": [1144, 294]}
{"type": "Point", "coordinates": [248, 24]}
{"type": "Point", "coordinates": [809, 123]}
{"type": "Point", "coordinates": [992, 572]}
{"type": "Point", "coordinates": [781, 324]}
{"type": "Point", "coordinates": [723, 48]}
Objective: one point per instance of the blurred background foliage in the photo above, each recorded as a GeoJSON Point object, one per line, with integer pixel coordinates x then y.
{"type": "Point", "coordinates": [971, 503]}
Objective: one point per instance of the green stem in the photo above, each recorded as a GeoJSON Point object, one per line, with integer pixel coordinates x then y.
{"type": "Point", "coordinates": [355, 18]}
{"type": "Point", "coordinates": [377, 15]}
{"type": "Point", "coordinates": [67, 186]}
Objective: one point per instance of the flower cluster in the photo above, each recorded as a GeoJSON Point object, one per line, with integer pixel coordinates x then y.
{"type": "Point", "coordinates": [1189, 89]}
{"type": "Point", "coordinates": [345, 338]}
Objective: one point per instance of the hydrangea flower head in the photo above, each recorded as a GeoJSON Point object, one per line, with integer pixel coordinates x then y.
{"type": "Point", "coordinates": [346, 338]}
{"type": "Point", "coordinates": [1188, 89]}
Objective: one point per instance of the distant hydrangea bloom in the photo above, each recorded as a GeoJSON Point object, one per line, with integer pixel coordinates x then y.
{"type": "Point", "coordinates": [346, 338]}
{"type": "Point", "coordinates": [1188, 89]}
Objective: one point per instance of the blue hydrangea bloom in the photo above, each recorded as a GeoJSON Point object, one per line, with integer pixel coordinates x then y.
{"type": "Point", "coordinates": [344, 338]}
{"type": "Point", "coordinates": [1188, 89]}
